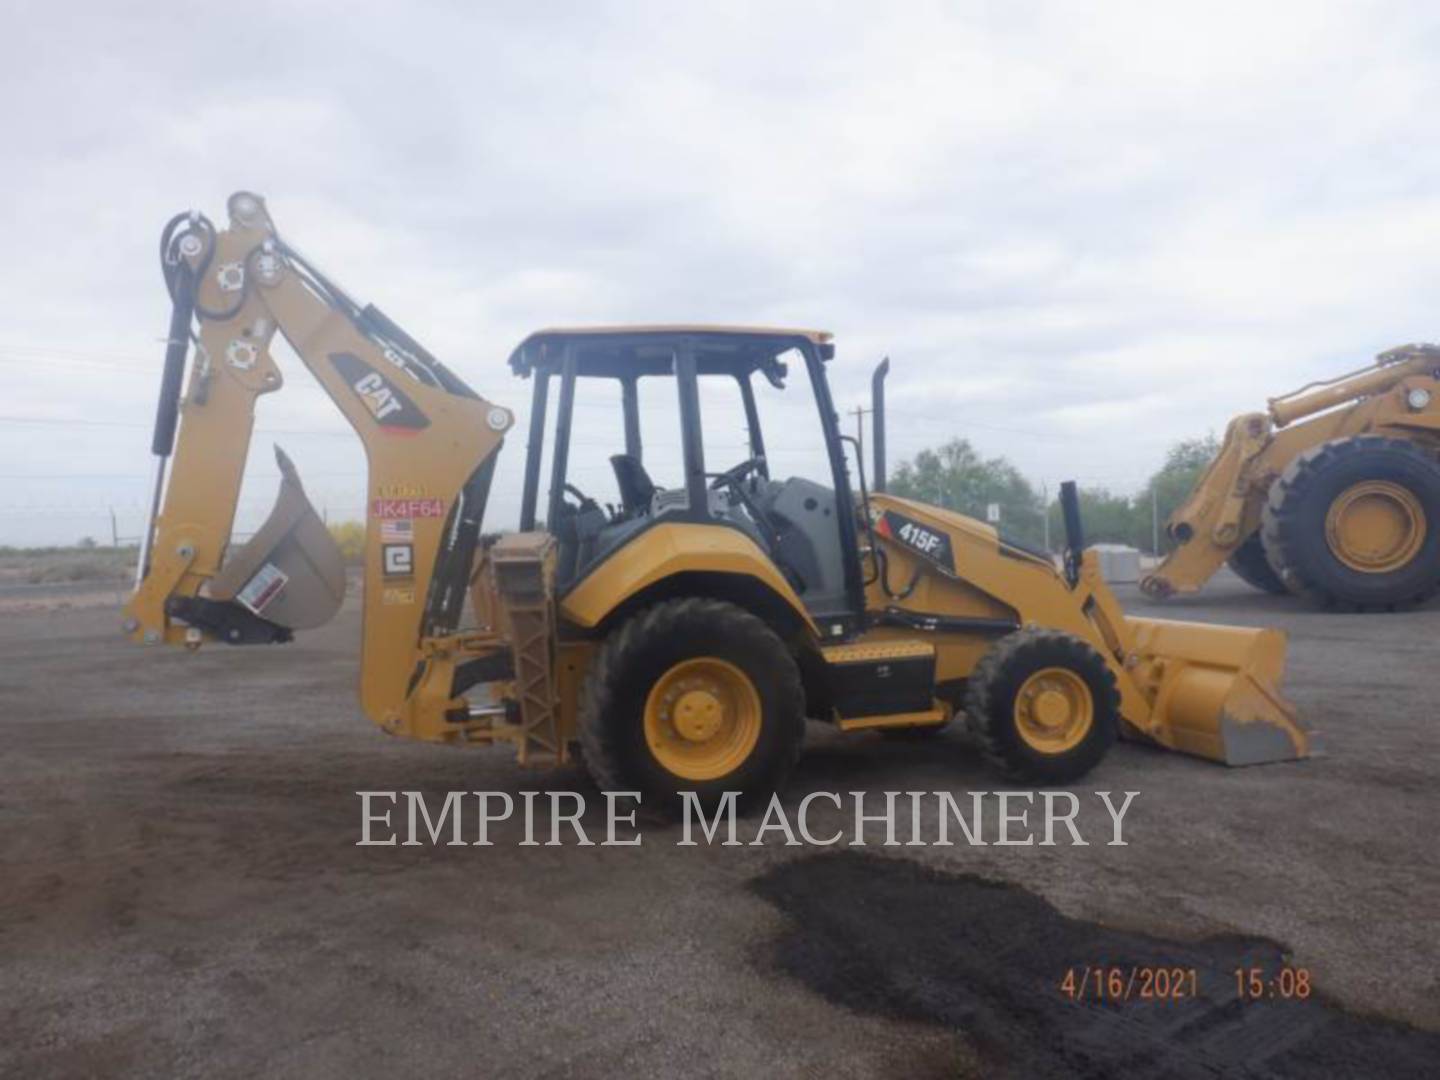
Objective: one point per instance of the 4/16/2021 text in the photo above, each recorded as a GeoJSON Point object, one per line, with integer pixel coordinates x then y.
{"type": "Point", "coordinates": [1116, 984]}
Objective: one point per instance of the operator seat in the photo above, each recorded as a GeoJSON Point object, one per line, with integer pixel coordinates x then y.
{"type": "Point", "coordinates": [636, 487]}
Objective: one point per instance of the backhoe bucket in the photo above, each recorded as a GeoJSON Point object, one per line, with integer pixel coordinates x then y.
{"type": "Point", "coordinates": [1218, 691]}
{"type": "Point", "coordinates": [290, 573]}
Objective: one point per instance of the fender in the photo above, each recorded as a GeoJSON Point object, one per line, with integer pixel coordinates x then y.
{"type": "Point", "coordinates": [663, 551]}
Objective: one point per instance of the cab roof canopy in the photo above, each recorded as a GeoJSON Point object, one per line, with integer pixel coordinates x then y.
{"type": "Point", "coordinates": [631, 351]}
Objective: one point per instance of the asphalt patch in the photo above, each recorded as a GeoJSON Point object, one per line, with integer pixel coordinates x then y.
{"type": "Point", "coordinates": [989, 960]}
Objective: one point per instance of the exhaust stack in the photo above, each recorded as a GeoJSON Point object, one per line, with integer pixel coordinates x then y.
{"type": "Point", "coordinates": [877, 420]}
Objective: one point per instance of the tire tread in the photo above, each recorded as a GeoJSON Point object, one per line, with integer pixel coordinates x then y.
{"type": "Point", "coordinates": [598, 730]}
{"type": "Point", "coordinates": [983, 712]}
{"type": "Point", "coordinates": [1281, 533]}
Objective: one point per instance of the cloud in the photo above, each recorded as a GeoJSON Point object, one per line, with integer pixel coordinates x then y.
{"type": "Point", "coordinates": [1053, 217]}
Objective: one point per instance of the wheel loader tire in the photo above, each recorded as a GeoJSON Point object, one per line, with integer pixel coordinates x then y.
{"type": "Point", "coordinates": [1354, 524]}
{"type": "Point", "coordinates": [692, 695]}
{"type": "Point", "coordinates": [1044, 706]}
{"type": "Point", "coordinates": [1253, 567]}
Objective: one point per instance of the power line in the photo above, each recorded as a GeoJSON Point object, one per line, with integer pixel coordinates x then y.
{"type": "Point", "coordinates": [960, 422]}
{"type": "Point", "coordinates": [63, 421]}
{"type": "Point", "coordinates": [98, 356]}
{"type": "Point", "coordinates": [78, 421]}
{"type": "Point", "coordinates": [147, 478]}
{"type": "Point", "coordinates": [93, 365]}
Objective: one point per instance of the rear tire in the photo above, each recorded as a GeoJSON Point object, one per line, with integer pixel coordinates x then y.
{"type": "Point", "coordinates": [1044, 706]}
{"type": "Point", "coordinates": [1252, 566]}
{"type": "Point", "coordinates": [692, 695]}
{"type": "Point", "coordinates": [1355, 524]}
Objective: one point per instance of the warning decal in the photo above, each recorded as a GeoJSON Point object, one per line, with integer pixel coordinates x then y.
{"type": "Point", "coordinates": [264, 587]}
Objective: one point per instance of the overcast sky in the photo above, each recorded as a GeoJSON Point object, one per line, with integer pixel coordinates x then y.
{"type": "Point", "coordinates": [1080, 231]}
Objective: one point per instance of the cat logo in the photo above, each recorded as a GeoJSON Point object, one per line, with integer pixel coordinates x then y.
{"type": "Point", "coordinates": [377, 395]}
{"type": "Point", "coordinates": [392, 409]}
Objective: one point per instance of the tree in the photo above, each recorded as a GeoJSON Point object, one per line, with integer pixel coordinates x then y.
{"type": "Point", "coordinates": [1122, 519]}
{"type": "Point", "coordinates": [956, 477]}
{"type": "Point", "coordinates": [1171, 486]}
{"type": "Point", "coordinates": [350, 538]}
{"type": "Point", "coordinates": [1106, 517]}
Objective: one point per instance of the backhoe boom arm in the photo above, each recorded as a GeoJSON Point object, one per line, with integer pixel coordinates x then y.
{"type": "Point", "coordinates": [430, 443]}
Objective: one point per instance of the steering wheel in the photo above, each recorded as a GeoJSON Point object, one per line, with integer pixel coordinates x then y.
{"type": "Point", "coordinates": [734, 479]}
{"type": "Point", "coordinates": [733, 476]}
{"type": "Point", "coordinates": [585, 501]}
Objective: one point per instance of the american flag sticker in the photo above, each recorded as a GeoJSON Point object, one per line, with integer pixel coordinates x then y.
{"type": "Point", "coordinates": [397, 532]}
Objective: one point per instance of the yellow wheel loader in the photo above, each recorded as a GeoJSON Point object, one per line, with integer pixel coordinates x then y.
{"type": "Point", "coordinates": [680, 635]}
{"type": "Point", "coordinates": [1332, 494]}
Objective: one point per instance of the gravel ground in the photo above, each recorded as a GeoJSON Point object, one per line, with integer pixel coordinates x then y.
{"type": "Point", "coordinates": [181, 894]}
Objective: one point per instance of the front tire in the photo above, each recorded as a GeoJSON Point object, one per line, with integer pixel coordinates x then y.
{"type": "Point", "coordinates": [1355, 524]}
{"type": "Point", "coordinates": [692, 695]}
{"type": "Point", "coordinates": [1044, 706]}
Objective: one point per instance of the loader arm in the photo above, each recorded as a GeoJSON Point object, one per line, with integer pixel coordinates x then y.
{"type": "Point", "coordinates": [1221, 511]}
{"type": "Point", "coordinates": [430, 443]}
{"type": "Point", "coordinates": [1208, 690]}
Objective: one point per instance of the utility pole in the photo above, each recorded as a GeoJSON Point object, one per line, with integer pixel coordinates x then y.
{"type": "Point", "coordinates": [860, 413]}
{"type": "Point", "coordinates": [1045, 512]}
{"type": "Point", "coordinates": [114, 530]}
{"type": "Point", "coordinates": [1154, 522]}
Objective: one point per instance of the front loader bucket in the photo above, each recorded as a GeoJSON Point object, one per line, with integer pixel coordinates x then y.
{"type": "Point", "coordinates": [1217, 691]}
{"type": "Point", "coordinates": [290, 573]}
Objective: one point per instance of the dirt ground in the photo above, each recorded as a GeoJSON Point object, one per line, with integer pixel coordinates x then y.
{"type": "Point", "coordinates": [50, 579]}
{"type": "Point", "coordinates": [181, 894]}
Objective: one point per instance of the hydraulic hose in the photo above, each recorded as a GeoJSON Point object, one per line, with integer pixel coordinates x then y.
{"type": "Point", "coordinates": [177, 344]}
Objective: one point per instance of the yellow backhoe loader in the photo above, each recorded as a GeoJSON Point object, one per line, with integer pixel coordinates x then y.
{"type": "Point", "coordinates": [681, 635]}
{"type": "Point", "coordinates": [1332, 494]}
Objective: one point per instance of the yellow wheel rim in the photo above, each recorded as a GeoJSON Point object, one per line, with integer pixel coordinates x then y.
{"type": "Point", "coordinates": [702, 718]}
{"type": "Point", "coordinates": [1375, 527]}
{"type": "Point", "coordinates": [1054, 710]}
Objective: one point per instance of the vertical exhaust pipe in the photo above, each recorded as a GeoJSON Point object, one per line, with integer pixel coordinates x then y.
{"type": "Point", "coordinates": [877, 419]}
{"type": "Point", "coordinates": [1074, 531]}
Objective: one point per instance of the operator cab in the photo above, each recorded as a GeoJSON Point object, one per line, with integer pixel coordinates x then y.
{"type": "Point", "coordinates": [683, 442]}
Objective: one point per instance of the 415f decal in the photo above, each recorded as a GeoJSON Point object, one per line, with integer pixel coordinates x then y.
{"type": "Point", "coordinates": [922, 539]}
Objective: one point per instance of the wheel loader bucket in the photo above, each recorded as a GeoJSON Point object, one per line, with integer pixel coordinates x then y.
{"type": "Point", "coordinates": [1217, 691]}
{"type": "Point", "coordinates": [291, 572]}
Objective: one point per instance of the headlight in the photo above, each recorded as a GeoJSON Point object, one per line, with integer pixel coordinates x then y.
{"type": "Point", "coordinates": [1418, 399]}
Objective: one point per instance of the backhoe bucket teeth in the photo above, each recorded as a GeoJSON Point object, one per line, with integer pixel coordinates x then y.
{"type": "Point", "coordinates": [291, 572]}
{"type": "Point", "coordinates": [1217, 691]}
